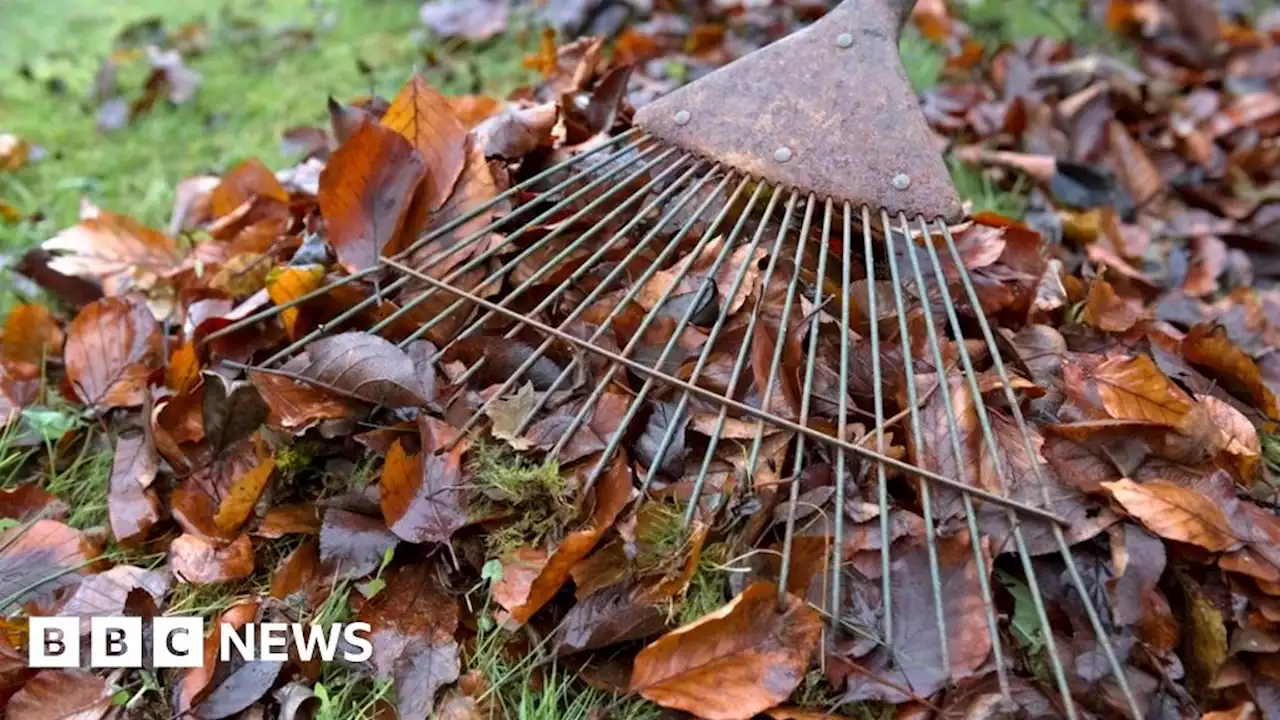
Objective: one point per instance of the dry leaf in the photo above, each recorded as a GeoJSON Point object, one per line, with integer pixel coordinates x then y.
{"type": "Point", "coordinates": [111, 345]}
{"type": "Point", "coordinates": [424, 118]}
{"type": "Point", "coordinates": [1175, 512]}
{"type": "Point", "coordinates": [113, 250]}
{"type": "Point", "coordinates": [1134, 389]}
{"type": "Point", "coordinates": [197, 561]}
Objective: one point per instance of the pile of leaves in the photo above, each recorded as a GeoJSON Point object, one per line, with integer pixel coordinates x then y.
{"type": "Point", "coordinates": [389, 452]}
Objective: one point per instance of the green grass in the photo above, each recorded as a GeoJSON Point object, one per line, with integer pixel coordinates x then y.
{"type": "Point", "coordinates": [253, 90]}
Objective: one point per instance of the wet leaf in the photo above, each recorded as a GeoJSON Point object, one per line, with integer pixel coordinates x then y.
{"type": "Point", "coordinates": [1175, 513]}
{"type": "Point", "coordinates": [36, 560]}
{"type": "Point", "coordinates": [111, 345]}
{"type": "Point", "coordinates": [663, 419]}
{"type": "Point", "coordinates": [1106, 310]}
{"type": "Point", "coordinates": [289, 283]}
{"type": "Point", "coordinates": [296, 406]}
{"type": "Point", "coordinates": [242, 688]}
{"type": "Point", "coordinates": [198, 561]}
{"type": "Point", "coordinates": [1208, 347]}
{"type": "Point", "coordinates": [516, 132]}
{"type": "Point", "coordinates": [738, 661]}
{"type": "Point", "coordinates": [132, 505]}
{"type": "Point", "coordinates": [424, 118]}
{"type": "Point", "coordinates": [61, 695]}
{"type": "Point", "coordinates": [508, 413]}
{"type": "Point", "coordinates": [237, 505]}
{"type": "Point", "coordinates": [107, 593]}
{"type": "Point", "coordinates": [362, 366]}
{"type": "Point", "coordinates": [365, 190]}
{"type": "Point", "coordinates": [422, 498]}
{"type": "Point", "coordinates": [352, 544]}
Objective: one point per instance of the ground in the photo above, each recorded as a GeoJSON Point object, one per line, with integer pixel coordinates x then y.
{"type": "Point", "coordinates": [269, 66]}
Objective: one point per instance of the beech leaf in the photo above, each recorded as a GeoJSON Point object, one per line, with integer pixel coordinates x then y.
{"type": "Point", "coordinates": [362, 366]}
{"type": "Point", "coordinates": [110, 348]}
{"type": "Point", "coordinates": [1175, 512]}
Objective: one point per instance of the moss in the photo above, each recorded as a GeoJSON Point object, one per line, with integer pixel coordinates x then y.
{"type": "Point", "coordinates": [533, 496]}
{"type": "Point", "coordinates": [298, 456]}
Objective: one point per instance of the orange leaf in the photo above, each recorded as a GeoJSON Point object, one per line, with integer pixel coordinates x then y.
{"type": "Point", "coordinates": [472, 109]}
{"type": "Point", "coordinates": [364, 192]}
{"type": "Point", "coordinates": [291, 282]}
{"type": "Point", "coordinates": [1135, 389]}
{"type": "Point", "coordinates": [475, 188]}
{"type": "Point", "coordinates": [246, 181]}
{"type": "Point", "coordinates": [296, 406]}
{"type": "Point", "coordinates": [1208, 347]}
{"type": "Point", "coordinates": [1106, 310]}
{"type": "Point", "coordinates": [30, 335]}
{"type": "Point", "coordinates": [116, 251]}
{"type": "Point", "coordinates": [1175, 513]}
{"type": "Point", "coordinates": [197, 561]}
{"type": "Point", "coordinates": [740, 660]}
{"type": "Point", "coordinates": [183, 372]}
{"type": "Point", "coordinates": [109, 351]}
{"type": "Point", "coordinates": [1239, 436]}
{"type": "Point", "coordinates": [426, 119]}
{"type": "Point", "coordinates": [237, 504]}
{"type": "Point", "coordinates": [932, 19]}
{"type": "Point", "coordinates": [423, 496]}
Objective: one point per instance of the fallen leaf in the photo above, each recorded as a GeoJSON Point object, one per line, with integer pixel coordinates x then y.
{"type": "Point", "coordinates": [247, 181]}
{"type": "Point", "coordinates": [475, 188]}
{"type": "Point", "coordinates": [663, 419]}
{"type": "Point", "coordinates": [115, 251]}
{"type": "Point", "coordinates": [245, 684]}
{"type": "Point", "coordinates": [199, 562]}
{"type": "Point", "coordinates": [286, 284]}
{"type": "Point", "coordinates": [424, 118]}
{"type": "Point", "coordinates": [107, 593]}
{"type": "Point", "coordinates": [30, 335]}
{"type": "Point", "coordinates": [1106, 310]}
{"type": "Point", "coordinates": [35, 560]}
{"type": "Point", "coordinates": [362, 366]}
{"type": "Point", "coordinates": [365, 190]}
{"type": "Point", "coordinates": [301, 519]}
{"type": "Point", "coordinates": [111, 345]}
{"type": "Point", "coordinates": [516, 132]}
{"type": "Point", "coordinates": [132, 506]}
{"type": "Point", "coordinates": [1133, 388]}
{"type": "Point", "coordinates": [422, 495]}
{"type": "Point", "coordinates": [474, 20]}
{"type": "Point", "coordinates": [297, 571]}
{"type": "Point", "coordinates": [509, 413]}
{"type": "Point", "coordinates": [237, 505]}
{"type": "Point", "coordinates": [297, 406]}
{"type": "Point", "coordinates": [1175, 513]}
{"type": "Point", "coordinates": [61, 695]}
{"type": "Point", "coordinates": [740, 660]}
{"type": "Point", "coordinates": [1208, 347]}
{"type": "Point", "coordinates": [30, 501]}
{"type": "Point", "coordinates": [352, 544]}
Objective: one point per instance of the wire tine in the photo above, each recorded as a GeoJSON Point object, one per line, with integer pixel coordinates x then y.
{"type": "Point", "coordinates": [591, 297]}
{"type": "Point", "coordinates": [646, 321]}
{"type": "Point", "coordinates": [953, 426]}
{"type": "Point", "coordinates": [798, 466]}
{"type": "Point", "coordinates": [705, 354]}
{"type": "Point", "coordinates": [908, 364]}
{"type": "Point", "coordinates": [448, 227]}
{"type": "Point", "coordinates": [716, 398]}
{"type": "Point", "coordinates": [555, 261]}
{"type": "Point", "coordinates": [466, 267]}
{"type": "Point", "coordinates": [882, 488]}
{"type": "Point", "coordinates": [738, 365]}
{"type": "Point", "coordinates": [1028, 447]}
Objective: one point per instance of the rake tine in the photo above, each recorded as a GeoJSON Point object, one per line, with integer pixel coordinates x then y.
{"type": "Point", "coordinates": [448, 227]}
{"type": "Point", "coordinates": [1063, 548]}
{"type": "Point", "coordinates": [468, 266]}
{"type": "Point", "coordinates": [794, 497]}
{"type": "Point", "coordinates": [926, 500]}
{"type": "Point", "coordinates": [703, 356]}
{"type": "Point", "coordinates": [553, 262]}
{"type": "Point", "coordinates": [599, 290]}
{"type": "Point", "coordinates": [975, 538]}
{"type": "Point", "coordinates": [882, 489]}
{"type": "Point", "coordinates": [714, 397]}
{"type": "Point", "coordinates": [649, 317]}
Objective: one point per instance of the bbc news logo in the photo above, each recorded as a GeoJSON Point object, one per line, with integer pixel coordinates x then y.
{"type": "Point", "coordinates": [178, 642]}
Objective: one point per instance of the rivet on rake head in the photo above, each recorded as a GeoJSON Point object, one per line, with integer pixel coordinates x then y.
{"type": "Point", "coordinates": [901, 181]}
{"type": "Point", "coordinates": [844, 40]}
{"type": "Point", "coordinates": [782, 154]}
{"type": "Point", "coordinates": [683, 117]}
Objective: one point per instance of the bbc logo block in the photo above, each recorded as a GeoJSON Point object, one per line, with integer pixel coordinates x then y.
{"type": "Point", "coordinates": [116, 642]}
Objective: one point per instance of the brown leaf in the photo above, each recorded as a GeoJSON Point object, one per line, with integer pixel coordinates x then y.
{"type": "Point", "coordinates": [1209, 261]}
{"type": "Point", "coordinates": [237, 505]}
{"type": "Point", "coordinates": [362, 366]}
{"type": "Point", "coordinates": [132, 505]}
{"type": "Point", "coordinates": [1175, 513]}
{"type": "Point", "coordinates": [352, 544]}
{"type": "Point", "coordinates": [111, 345]}
{"type": "Point", "coordinates": [297, 571]}
{"type": "Point", "coordinates": [1238, 436]}
{"type": "Point", "coordinates": [197, 561]}
{"type": "Point", "coordinates": [1243, 711]}
{"type": "Point", "coordinates": [424, 118]}
{"type": "Point", "coordinates": [246, 181]}
{"type": "Point", "coordinates": [523, 594]}
{"type": "Point", "coordinates": [1106, 310]}
{"type": "Point", "coordinates": [182, 375]}
{"type": "Point", "coordinates": [297, 406]}
{"type": "Point", "coordinates": [1209, 348]}
{"type": "Point", "coordinates": [365, 190]}
{"type": "Point", "coordinates": [1138, 560]}
{"type": "Point", "coordinates": [30, 335]}
{"type": "Point", "coordinates": [301, 519]}
{"type": "Point", "coordinates": [475, 187]}
{"type": "Point", "coordinates": [61, 695]}
{"type": "Point", "coordinates": [113, 250]}
{"type": "Point", "coordinates": [421, 496]}
{"type": "Point", "coordinates": [471, 110]}
{"type": "Point", "coordinates": [107, 593]}
{"type": "Point", "coordinates": [740, 660]}
{"type": "Point", "coordinates": [193, 684]}
{"type": "Point", "coordinates": [30, 501]}
{"type": "Point", "coordinates": [36, 560]}
{"type": "Point", "coordinates": [1137, 172]}
{"type": "Point", "coordinates": [1133, 388]}
{"type": "Point", "coordinates": [244, 685]}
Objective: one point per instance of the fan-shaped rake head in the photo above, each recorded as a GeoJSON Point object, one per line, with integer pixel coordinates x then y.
{"type": "Point", "coordinates": [749, 342]}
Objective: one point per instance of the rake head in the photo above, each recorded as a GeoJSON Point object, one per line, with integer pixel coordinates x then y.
{"type": "Point", "coordinates": [747, 308]}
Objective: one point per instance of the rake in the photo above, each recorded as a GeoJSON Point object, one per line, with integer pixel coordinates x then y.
{"type": "Point", "coordinates": [810, 156]}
